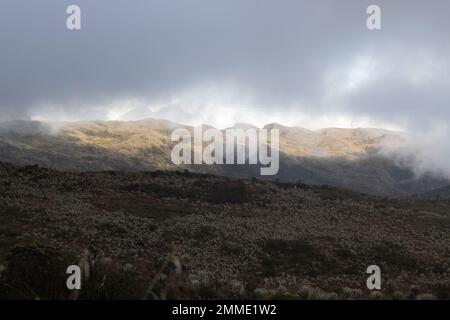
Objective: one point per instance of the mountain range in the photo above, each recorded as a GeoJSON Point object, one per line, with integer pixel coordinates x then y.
{"type": "Point", "coordinates": [345, 158]}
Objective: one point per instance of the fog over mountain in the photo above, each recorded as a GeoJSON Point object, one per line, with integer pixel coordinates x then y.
{"type": "Point", "coordinates": [309, 64]}
{"type": "Point", "coordinates": [355, 159]}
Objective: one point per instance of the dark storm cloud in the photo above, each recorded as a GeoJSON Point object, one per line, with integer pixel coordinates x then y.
{"type": "Point", "coordinates": [311, 57]}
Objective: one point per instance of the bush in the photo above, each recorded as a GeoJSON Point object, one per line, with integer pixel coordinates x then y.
{"type": "Point", "coordinates": [35, 272]}
{"type": "Point", "coordinates": [390, 253]}
{"type": "Point", "coordinates": [110, 280]}
{"type": "Point", "coordinates": [292, 256]}
{"type": "Point", "coordinates": [154, 188]}
{"type": "Point", "coordinates": [229, 192]}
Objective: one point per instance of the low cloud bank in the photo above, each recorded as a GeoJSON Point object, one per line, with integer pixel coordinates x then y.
{"type": "Point", "coordinates": [424, 153]}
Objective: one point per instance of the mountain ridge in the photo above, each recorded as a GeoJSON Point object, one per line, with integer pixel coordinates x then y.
{"type": "Point", "coordinates": [346, 158]}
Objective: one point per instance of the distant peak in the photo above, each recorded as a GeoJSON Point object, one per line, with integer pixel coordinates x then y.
{"type": "Point", "coordinates": [244, 126]}
{"type": "Point", "coordinates": [274, 125]}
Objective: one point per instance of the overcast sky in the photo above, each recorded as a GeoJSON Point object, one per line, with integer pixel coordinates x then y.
{"type": "Point", "coordinates": [307, 63]}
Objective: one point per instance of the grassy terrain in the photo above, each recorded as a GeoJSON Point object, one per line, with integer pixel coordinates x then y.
{"type": "Point", "coordinates": [180, 235]}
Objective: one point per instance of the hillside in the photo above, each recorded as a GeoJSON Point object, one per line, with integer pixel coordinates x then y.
{"type": "Point", "coordinates": [184, 235]}
{"type": "Point", "coordinates": [346, 158]}
{"type": "Point", "coordinates": [436, 194]}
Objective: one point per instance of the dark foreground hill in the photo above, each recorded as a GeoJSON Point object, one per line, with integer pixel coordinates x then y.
{"type": "Point", "coordinates": [183, 235]}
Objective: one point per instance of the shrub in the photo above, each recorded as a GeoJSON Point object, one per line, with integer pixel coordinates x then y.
{"type": "Point", "coordinates": [36, 272]}
{"type": "Point", "coordinates": [154, 188]}
{"type": "Point", "coordinates": [351, 293]}
{"type": "Point", "coordinates": [376, 295]}
{"type": "Point", "coordinates": [229, 192]}
{"type": "Point", "coordinates": [426, 296]}
{"type": "Point", "coordinates": [111, 281]}
{"type": "Point", "coordinates": [292, 256]}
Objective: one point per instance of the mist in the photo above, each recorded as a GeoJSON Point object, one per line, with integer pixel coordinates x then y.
{"type": "Point", "coordinates": [310, 64]}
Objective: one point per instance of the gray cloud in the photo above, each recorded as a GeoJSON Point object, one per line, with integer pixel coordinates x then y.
{"type": "Point", "coordinates": [290, 61]}
{"type": "Point", "coordinates": [280, 54]}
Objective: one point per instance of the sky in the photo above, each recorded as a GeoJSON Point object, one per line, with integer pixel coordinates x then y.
{"type": "Point", "coordinates": [305, 63]}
